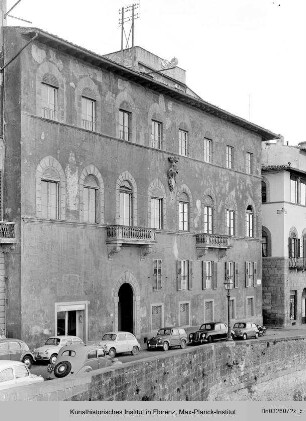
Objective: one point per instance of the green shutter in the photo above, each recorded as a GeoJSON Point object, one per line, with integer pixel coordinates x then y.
{"type": "Point", "coordinates": [190, 274]}
{"type": "Point", "coordinates": [178, 274]}
{"type": "Point", "coordinates": [214, 274]}
{"type": "Point", "coordinates": [203, 275]}
{"type": "Point", "coordinates": [246, 274]}
{"type": "Point", "coordinates": [236, 275]}
{"type": "Point", "coordinates": [255, 274]}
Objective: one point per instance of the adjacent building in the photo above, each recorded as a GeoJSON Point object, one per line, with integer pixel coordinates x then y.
{"type": "Point", "coordinates": [284, 233]}
{"type": "Point", "coordinates": [132, 199]}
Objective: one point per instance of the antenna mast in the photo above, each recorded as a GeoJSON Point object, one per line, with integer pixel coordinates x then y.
{"type": "Point", "coordinates": [127, 17]}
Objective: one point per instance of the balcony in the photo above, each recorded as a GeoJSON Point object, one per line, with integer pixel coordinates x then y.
{"type": "Point", "coordinates": [205, 242]}
{"type": "Point", "coordinates": [119, 235]}
{"type": "Point", "coordinates": [7, 232]}
{"type": "Point", "coordinates": [298, 263]}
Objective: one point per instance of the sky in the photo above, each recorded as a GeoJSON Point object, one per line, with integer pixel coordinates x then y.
{"type": "Point", "coordinates": [247, 57]}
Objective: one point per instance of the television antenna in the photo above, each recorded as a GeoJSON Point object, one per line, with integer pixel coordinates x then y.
{"type": "Point", "coordinates": [127, 17]}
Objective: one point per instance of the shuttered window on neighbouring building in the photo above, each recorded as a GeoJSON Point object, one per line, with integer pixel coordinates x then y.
{"type": "Point", "coordinates": [157, 274]}
{"type": "Point", "coordinates": [250, 274]}
{"type": "Point", "coordinates": [157, 313]}
{"type": "Point", "coordinates": [250, 306]}
{"type": "Point", "coordinates": [209, 274]}
{"type": "Point", "coordinates": [209, 311]}
{"type": "Point", "coordinates": [184, 274]}
{"type": "Point", "coordinates": [184, 314]}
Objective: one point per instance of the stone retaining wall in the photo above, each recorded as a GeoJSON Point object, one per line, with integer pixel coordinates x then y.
{"type": "Point", "coordinates": [234, 370]}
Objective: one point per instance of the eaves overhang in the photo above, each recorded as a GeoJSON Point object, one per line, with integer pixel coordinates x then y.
{"type": "Point", "coordinates": [279, 168]}
{"type": "Point", "coordinates": [146, 81]}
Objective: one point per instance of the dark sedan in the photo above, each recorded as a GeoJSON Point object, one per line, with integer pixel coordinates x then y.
{"type": "Point", "coordinates": [208, 332]}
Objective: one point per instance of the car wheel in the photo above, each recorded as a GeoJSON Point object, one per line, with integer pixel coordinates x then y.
{"type": "Point", "coordinates": [28, 361]}
{"type": "Point", "coordinates": [52, 359]}
{"type": "Point", "coordinates": [135, 350]}
{"type": "Point", "coordinates": [112, 352]}
{"type": "Point", "coordinates": [210, 339]}
{"type": "Point", "coordinates": [183, 344]}
{"type": "Point", "coordinates": [256, 335]}
{"type": "Point", "coordinates": [62, 369]}
{"type": "Point", "coordinates": [165, 346]}
{"type": "Point", "coordinates": [244, 337]}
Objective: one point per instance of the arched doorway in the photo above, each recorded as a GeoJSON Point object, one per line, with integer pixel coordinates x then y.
{"type": "Point", "coordinates": [125, 308]}
{"type": "Point", "coordinates": [304, 306]}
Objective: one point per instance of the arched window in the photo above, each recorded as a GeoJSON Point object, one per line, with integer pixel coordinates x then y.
{"type": "Point", "coordinates": [184, 212]}
{"type": "Point", "coordinates": [49, 93]}
{"type": "Point", "coordinates": [249, 220]}
{"type": "Point", "coordinates": [293, 245]}
{"type": "Point", "coordinates": [90, 199]}
{"type": "Point", "coordinates": [208, 215]}
{"type": "Point", "coordinates": [263, 192]}
{"type": "Point", "coordinates": [50, 182]}
{"type": "Point", "coordinates": [125, 204]}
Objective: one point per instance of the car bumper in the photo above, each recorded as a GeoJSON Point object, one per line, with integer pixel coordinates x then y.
{"type": "Point", "coordinates": [153, 346]}
{"type": "Point", "coordinates": [39, 357]}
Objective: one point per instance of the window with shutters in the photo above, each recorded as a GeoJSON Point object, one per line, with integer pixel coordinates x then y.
{"type": "Point", "coordinates": [184, 274]}
{"type": "Point", "coordinates": [157, 316]}
{"type": "Point", "coordinates": [294, 190]}
{"type": "Point", "coordinates": [88, 114]}
{"type": "Point", "coordinates": [124, 125]}
{"type": "Point", "coordinates": [184, 212]}
{"type": "Point", "coordinates": [294, 246]}
{"type": "Point", "coordinates": [49, 199]}
{"type": "Point", "coordinates": [183, 142]}
{"type": "Point", "coordinates": [157, 213]}
{"type": "Point", "coordinates": [157, 274]}
{"type": "Point", "coordinates": [184, 313]}
{"type": "Point", "coordinates": [156, 134]}
{"type": "Point", "coordinates": [250, 307]}
{"type": "Point", "coordinates": [231, 273]}
{"type": "Point", "coordinates": [208, 311]}
{"type": "Point", "coordinates": [249, 222]}
{"type": "Point", "coordinates": [49, 101]}
{"type": "Point", "coordinates": [90, 196]}
{"type": "Point", "coordinates": [208, 219]}
{"type": "Point", "coordinates": [125, 202]}
{"type": "Point", "coordinates": [232, 308]}
{"type": "Point", "coordinates": [209, 275]}
{"type": "Point", "coordinates": [230, 222]}
{"type": "Point", "coordinates": [250, 274]}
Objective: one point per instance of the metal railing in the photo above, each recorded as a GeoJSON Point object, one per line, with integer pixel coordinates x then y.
{"type": "Point", "coordinates": [212, 240]}
{"type": "Point", "coordinates": [130, 234]}
{"type": "Point", "coordinates": [297, 263]}
{"type": "Point", "coordinates": [49, 113]}
{"type": "Point", "coordinates": [89, 125]}
{"type": "Point", "coordinates": [7, 230]}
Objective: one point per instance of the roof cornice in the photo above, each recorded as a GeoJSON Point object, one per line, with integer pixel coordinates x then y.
{"type": "Point", "coordinates": [146, 81]}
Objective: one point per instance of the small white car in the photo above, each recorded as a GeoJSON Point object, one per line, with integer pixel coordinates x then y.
{"type": "Point", "coordinates": [49, 351]}
{"type": "Point", "coordinates": [118, 342]}
{"type": "Point", "coordinates": [16, 373]}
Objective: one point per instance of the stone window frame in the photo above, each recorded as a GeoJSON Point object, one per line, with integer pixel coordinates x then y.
{"type": "Point", "coordinates": [156, 113]}
{"type": "Point", "coordinates": [247, 220]}
{"type": "Point", "coordinates": [87, 88]}
{"type": "Point", "coordinates": [48, 71]}
{"type": "Point", "coordinates": [209, 199]}
{"type": "Point", "coordinates": [213, 310]}
{"type": "Point", "coordinates": [246, 306]}
{"type": "Point", "coordinates": [158, 187]}
{"type": "Point", "coordinates": [92, 170]}
{"type": "Point", "coordinates": [126, 176]}
{"type": "Point", "coordinates": [162, 305]}
{"type": "Point", "coordinates": [124, 102]}
{"type": "Point", "coordinates": [45, 164]}
{"type": "Point", "coordinates": [189, 313]}
{"type": "Point", "coordinates": [230, 204]}
{"type": "Point", "coordinates": [268, 235]}
{"type": "Point", "coordinates": [184, 189]}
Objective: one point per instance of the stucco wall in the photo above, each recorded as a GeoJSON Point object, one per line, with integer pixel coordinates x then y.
{"type": "Point", "coordinates": [236, 371]}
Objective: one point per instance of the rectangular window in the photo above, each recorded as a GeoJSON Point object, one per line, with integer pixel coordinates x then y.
{"type": "Point", "coordinates": [264, 246]}
{"type": "Point", "coordinates": [49, 199]}
{"type": "Point", "coordinates": [294, 247]}
{"type": "Point", "coordinates": [157, 274]}
{"type": "Point", "coordinates": [156, 135]}
{"type": "Point", "coordinates": [208, 311]}
{"type": "Point", "coordinates": [292, 305]}
{"type": "Point", "coordinates": [207, 150]}
{"type": "Point", "coordinates": [183, 142]}
{"type": "Point", "coordinates": [229, 157]}
{"type": "Point", "coordinates": [250, 274]}
{"type": "Point", "coordinates": [249, 163]}
{"type": "Point", "coordinates": [88, 114]}
{"type": "Point", "coordinates": [230, 222]}
{"type": "Point", "coordinates": [157, 317]}
{"type": "Point", "coordinates": [184, 274]}
{"type": "Point", "coordinates": [183, 216]}
{"type": "Point", "coordinates": [184, 314]}
{"type": "Point", "coordinates": [49, 101]}
{"type": "Point", "coordinates": [208, 220]}
{"type": "Point", "coordinates": [89, 205]}
{"type": "Point", "coordinates": [250, 307]}
{"type": "Point", "coordinates": [294, 190]}
{"type": "Point", "coordinates": [249, 224]}
{"type": "Point", "coordinates": [303, 193]}
{"type": "Point", "coordinates": [208, 274]}
{"type": "Point", "coordinates": [124, 125]}
{"type": "Point", "coordinates": [125, 209]}
{"type": "Point", "coordinates": [156, 213]}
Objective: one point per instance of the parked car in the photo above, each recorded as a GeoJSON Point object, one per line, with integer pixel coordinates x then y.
{"type": "Point", "coordinates": [16, 350]}
{"type": "Point", "coordinates": [208, 332]}
{"type": "Point", "coordinates": [49, 351]}
{"type": "Point", "coordinates": [16, 373]}
{"type": "Point", "coordinates": [118, 342]}
{"type": "Point", "coordinates": [78, 359]}
{"type": "Point", "coordinates": [261, 329]}
{"type": "Point", "coordinates": [245, 330]}
{"type": "Point", "coordinates": [168, 337]}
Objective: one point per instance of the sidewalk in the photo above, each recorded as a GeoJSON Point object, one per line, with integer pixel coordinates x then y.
{"type": "Point", "coordinates": [285, 332]}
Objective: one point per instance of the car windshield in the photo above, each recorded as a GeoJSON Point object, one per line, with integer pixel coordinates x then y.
{"type": "Point", "coordinates": [109, 337]}
{"type": "Point", "coordinates": [164, 332]}
{"type": "Point", "coordinates": [207, 326]}
{"type": "Point", "coordinates": [52, 341]}
{"type": "Point", "coordinates": [239, 325]}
